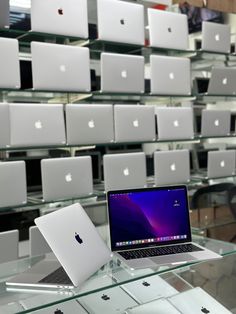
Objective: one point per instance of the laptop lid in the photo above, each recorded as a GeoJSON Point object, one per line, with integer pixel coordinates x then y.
{"type": "Point", "coordinates": [215, 37]}
{"type": "Point", "coordinates": [37, 125]}
{"type": "Point", "coordinates": [174, 123]}
{"type": "Point", "coordinates": [215, 122]}
{"type": "Point", "coordinates": [122, 73]}
{"type": "Point", "coordinates": [170, 75]}
{"type": "Point", "coordinates": [66, 177]}
{"type": "Point", "coordinates": [9, 63]}
{"type": "Point", "coordinates": [62, 17]}
{"type": "Point", "coordinates": [167, 29]}
{"type": "Point", "coordinates": [60, 67]}
{"type": "Point", "coordinates": [124, 171]}
{"type": "Point", "coordinates": [135, 221]}
{"type": "Point", "coordinates": [172, 167]}
{"type": "Point", "coordinates": [161, 305]}
{"type": "Point", "coordinates": [4, 125]}
{"type": "Point", "coordinates": [12, 183]}
{"type": "Point", "coordinates": [4, 13]}
{"type": "Point", "coordinates": [85, 124]}
{"type": "Point", "coordinates": [221, 163]}
{"type": "Point", "coordinates": [222, 81]}
{"type": "Point", "coordinates": [75, 241]}
{"type": "Point", "coordinates": [96, 157]}
{"type": "Point", "coordinates": [120, 21]}
{"type": "Point", "coordinates": [134, 123]}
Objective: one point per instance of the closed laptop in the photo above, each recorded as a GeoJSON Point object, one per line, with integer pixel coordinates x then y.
{"type": "Point", "coordinates": [221, 163]}
{"type": "Point", "coordinates": [37, 124]}
{"type": "Point", "coordinates": [60, 67]}
{"type": "Point", "coordinates": [4, 13]}
{"type": "Point", "coordinates": [222, 81]}
{"type": "Point", "coordinates": [215, 122]}
{"type": "Point", "coordinates": [4, 125]}
{"type": "Point", "coordinates": [89, 124]}
{"type": "Point", "coordinates": [134, 123]}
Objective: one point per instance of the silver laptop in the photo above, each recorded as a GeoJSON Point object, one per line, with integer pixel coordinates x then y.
{"type": "Point", "coordinates": [4, 13]}
{"type": "Point", "coordinates": [174, 123]}
{"type": "Point", "coordinates": [215, 37]}
{"type": "Point", "coordinates": [221, 163]}
{"type": "Point", "coordinates": [37, 124]}
{"type": "Point", "coordinates": [222, 81]}
{"type": "Point", "coordinates": [170, 75]}
{"type": "Point", "coordinates": [171, 167]}
{"type": "Point", "coordinates": [4, 125]}
{"type": "Point", "coordinates": [89, 124]}
{"type": "Point", "coordinates": [163, 306]}
{"type": "Point", "coordinates": [134, 123]}
{"type": "Point", "coordinates": [150, 227]}
{"type": "Point", "coordinates": [167, 29]}
{"type": "Point", "coordinates": [62, 17]}
{"type": "Point", "coordinates": [75, 241]}
{"type": "Point", "coordinates": [60, 67]}
{"type": "Point", "coordinates": [66, 177]}
{"type": "Point", "coordinates": [9, 63]}
{"type": "Point", "coordinates": [120, 21]}
{"type": "Point", "coordinates": [13, 183]}
{"type": "Point", "coordinates": [215, 122]}
{"type": "Point", "coordinates": [124, 171]}
{"type": "Point", "coordinates": [122, 73]}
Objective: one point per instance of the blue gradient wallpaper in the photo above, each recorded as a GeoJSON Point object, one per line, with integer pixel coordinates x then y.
{"type": "Point", "coordinates": [144, 216]}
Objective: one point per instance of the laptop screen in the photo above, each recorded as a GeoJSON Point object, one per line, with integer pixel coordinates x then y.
{"type": "Point", "coordinates": [147, 217]}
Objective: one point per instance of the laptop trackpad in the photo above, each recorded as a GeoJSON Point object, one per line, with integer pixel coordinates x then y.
{"type": "Point", "coordinates": [173, 258]}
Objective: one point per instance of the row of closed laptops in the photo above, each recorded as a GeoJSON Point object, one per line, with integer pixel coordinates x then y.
{"type": "Point", "coordinates": [125, 24]}
{"type": "Point", "coordinates": [24, 125]}
{"type": "Point", "coordinates": [72, 177]}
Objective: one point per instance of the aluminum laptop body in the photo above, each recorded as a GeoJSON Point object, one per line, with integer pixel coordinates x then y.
{"type": "Point", "coordinates": [150, 227]}
{"type": "Point", "coordinates": [120, 21]}
{"type": "Point", "coordinates": [64, 178]}
{"type": "Point", "coordinates": [37, 125]}
{"type": "Point", "coordinates": [215, 122]}
{"type": "Point", "coordinates": [174, 123]}
{"type": "Point", "coordinates": [62, 17]}
{"type": "Point", "coordinates": [161, 305]}
{"type": "Point", "coordinates": [222, 81]}
{"type": "Point", "coordinates": [4, 13]}
{"type": "Point", "coordinates": [171, 167]}
{"type": "Point", "coordinates": [89, 124]}
{"type": "Point", "coordinates": [221, 163]}
{"type": "Point", "coordinates": [77, 245]}
{"type": "Point", "coordinates": [215, 37]}
{"type": "Point", "coordinates": [168, 29]}
{"type": "Point", "coordinates": [122, 73]}
{"type": "Point", "coordinates": [170, 75]}
{"type": "Point", "coordinates": [12, 183]}
{"type": "Point", "coordinates": [124, 171]}
{"type": "Point", "coordinates": [60, 67]}
{"type": "Point", "coordinates": [9, 63]}
{"type": "Point", "coordinates": [134, 123]}
{"type": "Point", "coordinates": [4, 125]}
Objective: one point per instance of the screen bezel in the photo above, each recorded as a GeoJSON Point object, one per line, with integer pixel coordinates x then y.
{"type": "Point", "coordinates": [145, 245]}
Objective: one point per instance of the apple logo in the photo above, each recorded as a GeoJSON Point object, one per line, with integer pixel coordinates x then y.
{"type": "Point", "coordinates": [217, 37]}
{"type": "Point", "coordinates": [60, 11]}
{"type": "Point", "coordinates": [169, 29]}
{"type": "Point", "coordinates": [122, 22]}
{"type": "Point", "coordinates": [58, 311]}
{"type": "Point", "coordinates": [224, 81]}
{"type": "Point", "coordinates": [136, 123]}
{"type": "Point", "coordinates": [217, 122]}
{"type": "Point", "coordinates": [176, 123]}
{"type": "Point", "coordinates": [68, 177]}
{"type": "Point", "coordinates": [126, 171]}
{"type": "Point", "coordinates": [38, 125]}
{"type": "Point", "coordinates": [146, 284]}
{"type": "Point", "coordinates": [124, 74]}
{"type": "Point", "coordinates": [204, 310]}
{"type": "Point", "coordinates": [91, 124]}
{"type": "Point", "coordinates": [222, 164]}
{"type": "Point", "coordinates": [105, 297]}
{"type": "Point", "coordinates": [62, 68]}
{"type": "Point", "coordinates": [171, 76]}
{"type": "Point", "coordinates": [78, 238]}
{"type": "Point", "coordinates": [173, 167]}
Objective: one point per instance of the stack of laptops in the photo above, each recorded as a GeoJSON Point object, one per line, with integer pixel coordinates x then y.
{"type": "Point", "coordinates": [4, 13]}
{"type": "Point", "coordinates": [215, 122]}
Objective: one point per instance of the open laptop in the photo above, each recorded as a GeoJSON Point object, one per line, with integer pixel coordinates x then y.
{"type": "Point", "coordinates": [150, 227]}
{"type": "Point", "coordinates": [222, 81]}
{"type": "Point", "coordinates": [75, 241]}
{"type": "Point", "coordinates": [12, 183]}
{"type": "Point", "coordinates": [215, 37]}
{"type": "Point", "coordinates": [134, 123]}
{"type": "Point", "coordinates": [85, 124]}
{"type": "Point", "coordinates": [37, 125]}
{"type": "Point", "coordinates": [4, 125]}
{"type": "Point", "coordinates": [69, 177]}
{"type": "Point", "coordinates": [215, 122]}
{"type": "Point", "coordinates": [62, 17]}
{"type": "Point", "coordinates": [221, 163]}
{"type": "Point", "coordinates": [171, 167]}
{"type": "Point", "coordinates": [124, 171]}
{"type": "Point", "coordinates": [174, 123]}
{"type": "Point", "coordinates": [9, 63]}
{"type": "Point", "coordinates": [122, 73]}
{"type": "Point", "coordinates": [60, 67]}
{"type": "Point", "coordinates": [4, 13]}
{"type": "Point", "coordinates": [120, 21]}
{"type": "Point", "coordinates": [170, 75]}
{"type": "Point", "coordinates": [167, 29]}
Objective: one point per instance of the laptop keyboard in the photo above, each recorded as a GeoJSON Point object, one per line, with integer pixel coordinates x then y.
{"type": "Point", "coordinates": [159, 251]}
{"type": "Point", "coordinates": [59, 276]}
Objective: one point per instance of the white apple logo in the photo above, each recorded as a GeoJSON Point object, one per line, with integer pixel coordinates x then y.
{"type": "Point", "coordinates": [217, 37]}
{"type": "Point", "coordinates": [217, 122]}
{"type": "Point", "coordinates": [38, 124]}
{"type": "Point", "coordinates": [171, 76]}
{"type": "Point", "coordinates": [68, 177]}
{"type": "Point", "coordinates": [173, 167]}
{"type": "Point", "coordinates": [91, 124]}
{"type": "Point", "coordinates": [126, 171]}
{"type": "Point", "coordinates": [124, 74]}
{"type": "Point", "coordinates": [176, 123]}
{"type": "Point", "coordinates": [136, 123]}
{"type": "Point", "coordinates": [224, 81]}
{"type": "Point", "coordinates": [62, 68]}
{"type": "Point", "coordinates": [222, 164]}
